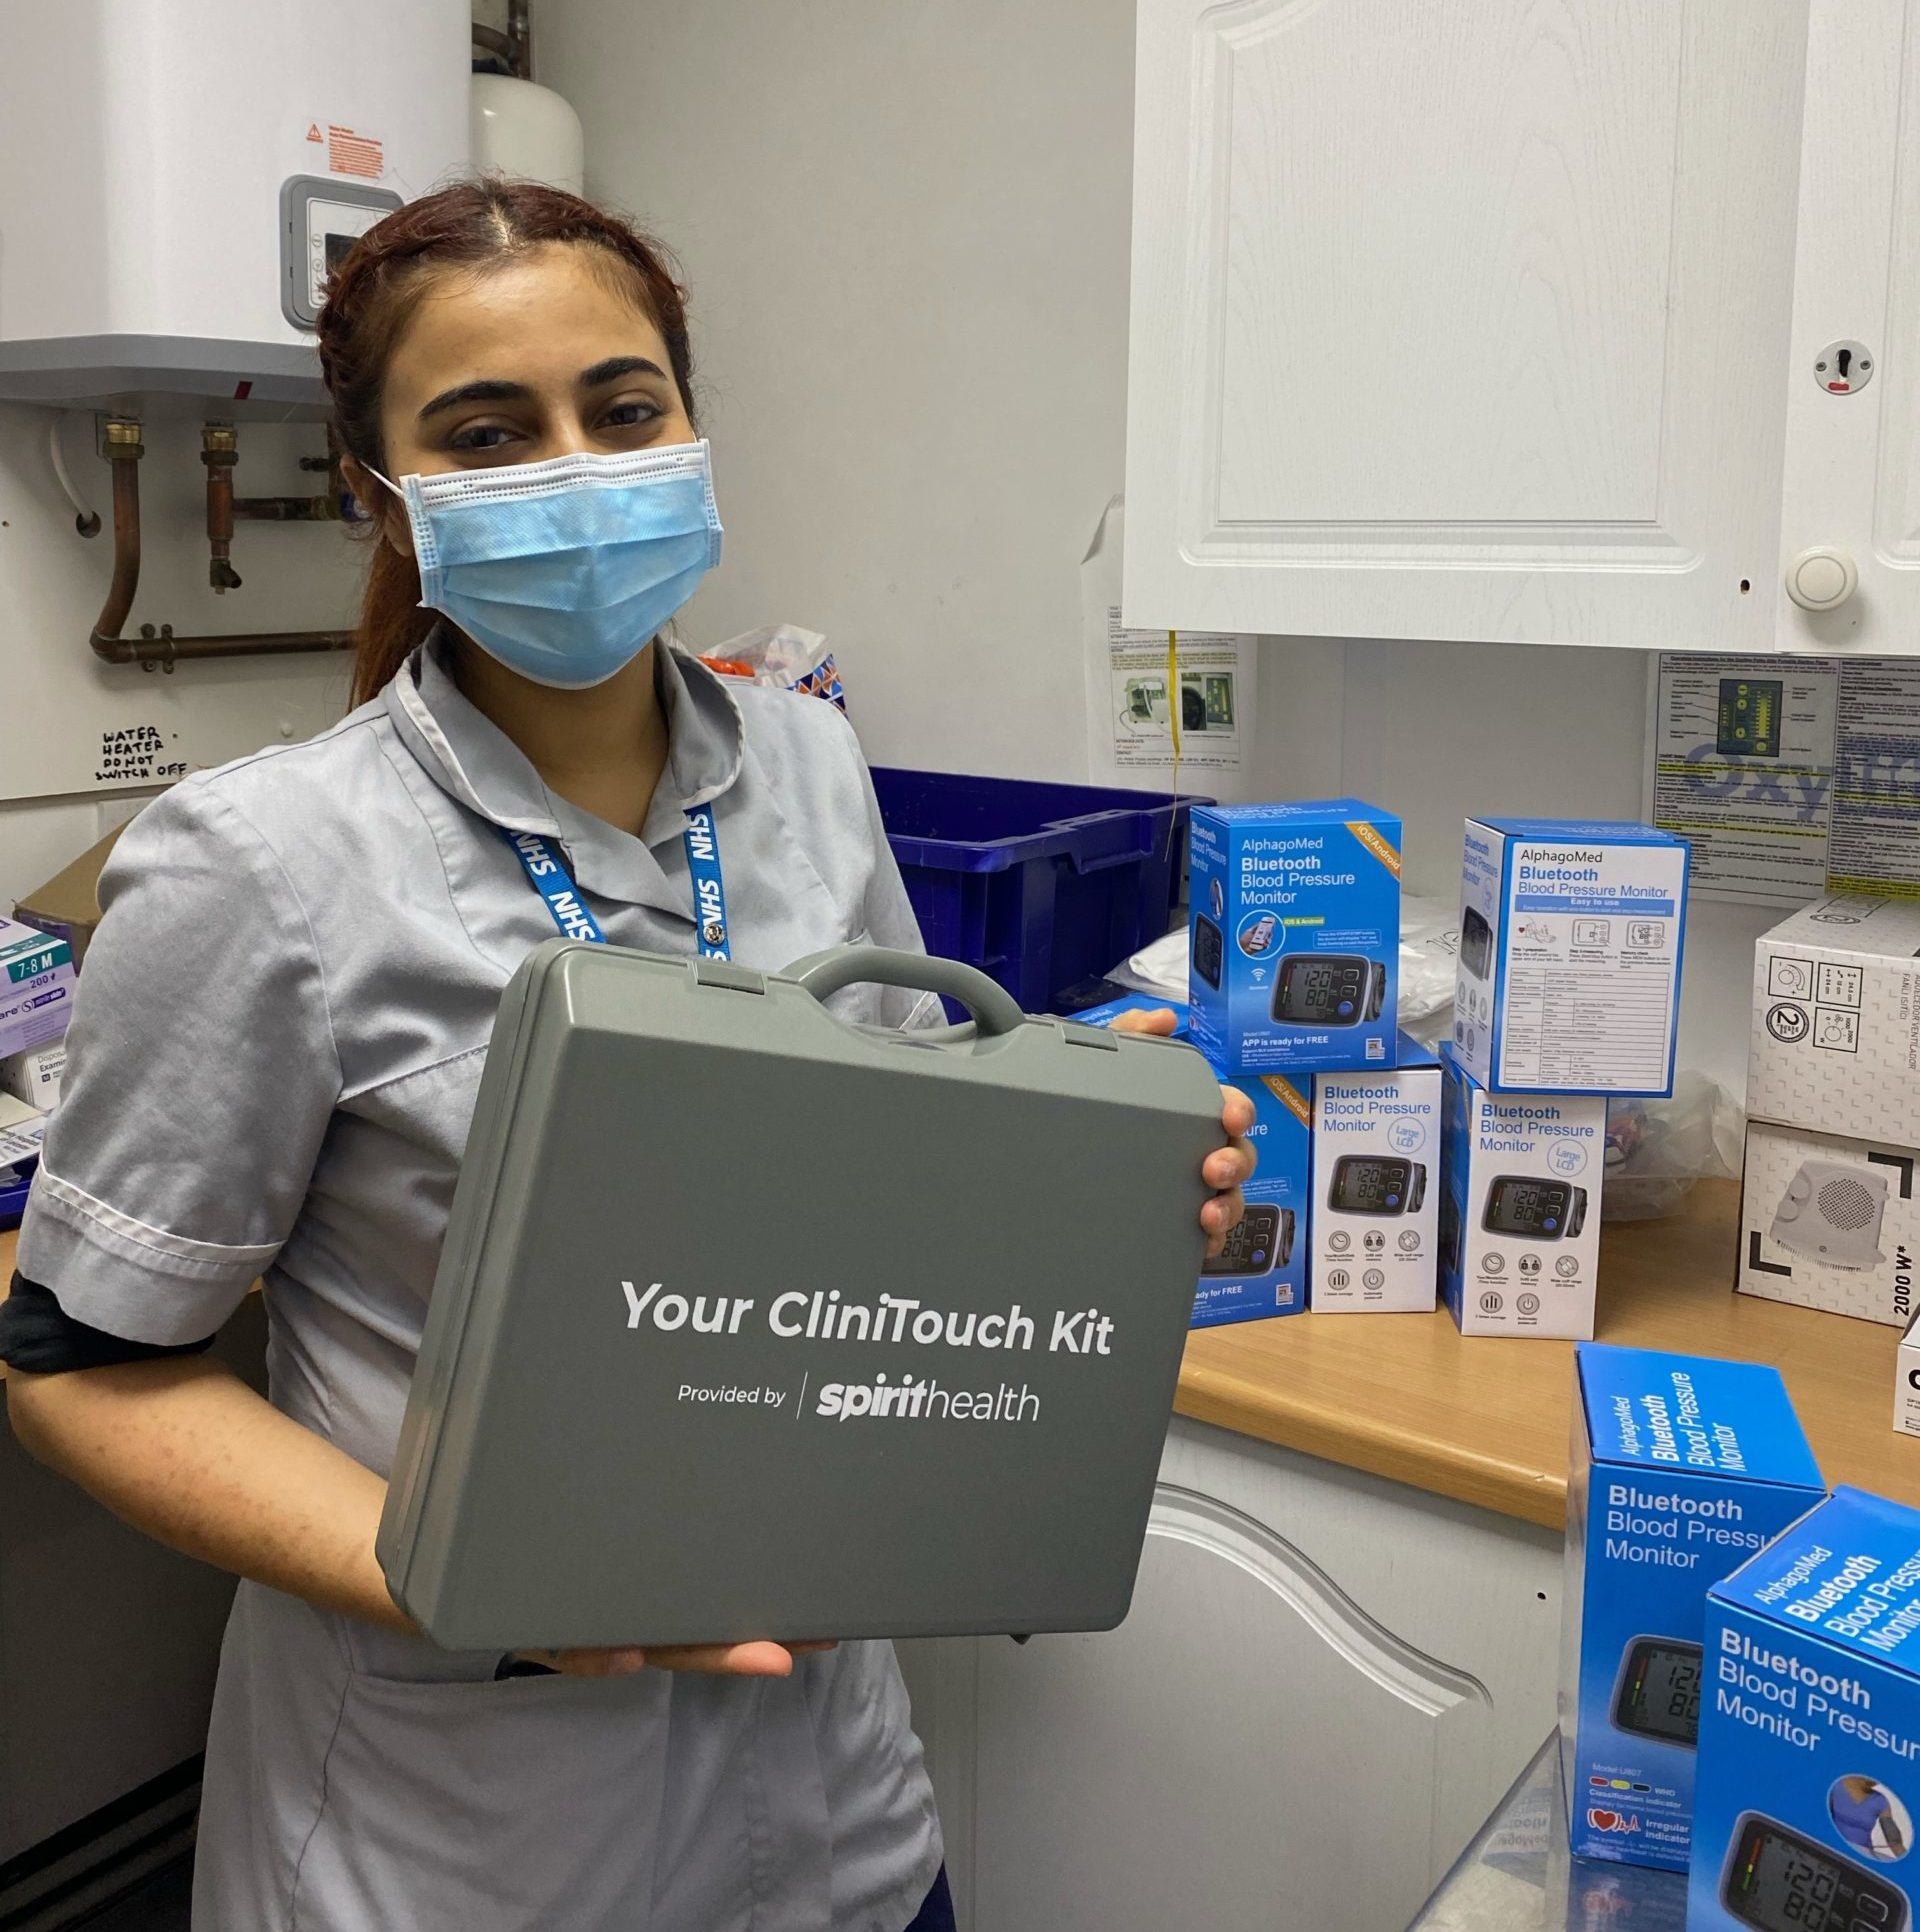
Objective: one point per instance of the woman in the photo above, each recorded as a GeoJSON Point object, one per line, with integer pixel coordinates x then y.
{"type": "Point", "coordinates": [273, 1066]}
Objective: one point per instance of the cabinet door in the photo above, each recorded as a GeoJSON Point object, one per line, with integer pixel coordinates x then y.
{"type": "Point", "coordinates": [1853, 444]}
{"type": "Point", "coordinates": [1324, 1683]}
{"type": "Point", "coordinates": [1464, 320]}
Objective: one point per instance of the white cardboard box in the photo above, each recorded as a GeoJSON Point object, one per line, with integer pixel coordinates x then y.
{"type": "Point", "coordinates": [1519, 1207]}
{"type": "Point", "coordinates": [1376, 1187]}
{"type": "Point", "coordinates": [35, 1075]}
{"type": "Point", "coordinates": [36, 987]}
{"type": "Point", "coordinates": [1829, 1221]}
{"type": "Point", "coordinates": [1571, 937]}
{"type": "Point", "coordinates": [1906, 1386]}
{"type": "Point", "coordinates": [22, 1128]}
{"type": "Point", "coordinates": [1836, 1020]}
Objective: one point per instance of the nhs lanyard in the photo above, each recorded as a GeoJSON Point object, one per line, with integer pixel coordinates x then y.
{"type": "Point", "coordinates": [547, 873]}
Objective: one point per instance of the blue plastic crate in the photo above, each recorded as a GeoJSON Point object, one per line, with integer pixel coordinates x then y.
{"type": "Point", "coordinates": [1044, 887]}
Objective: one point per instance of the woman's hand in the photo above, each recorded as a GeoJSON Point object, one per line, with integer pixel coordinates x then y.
{"type": "Point", "coordinates": [713, 1660]}
{"type": "Point", "coordinates": [1229, 1167]}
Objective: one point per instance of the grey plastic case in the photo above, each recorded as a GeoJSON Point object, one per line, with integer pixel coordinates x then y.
{"type": "Point", "coordinates": [588, 1458]}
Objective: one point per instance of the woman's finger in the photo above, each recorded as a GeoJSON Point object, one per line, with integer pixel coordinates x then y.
{"type": "Point", "coordinates": [724, 1660]}
{"type": "Point", "coordinates": [1230, 1166]}
{"type": "Point", "coordinates": [1161, 1020]}
{"type": "Point", "coordinates": [1221, 1216]}
{"type": "Point", "coordinates": [1236, 1112]}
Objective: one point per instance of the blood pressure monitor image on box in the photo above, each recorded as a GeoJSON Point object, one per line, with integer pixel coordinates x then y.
{"type": "Point", "coordinates": [1476, 943]}
{"type": "Point", "coordinates": [1520, 1204]}
{"type": "Point", "coordinates": [1261, 1243]}
{"type": "Point", "coordinates": [1658, 1695]}
{"type": "Point", "coordinates": [1776, 1880]}
{"type": "Point", "coordinates": [1377, 1184]}
{"type": "Point", "coordinates": [1209, 950]}
{"type": "Point", "coordinates": [1328, 989]}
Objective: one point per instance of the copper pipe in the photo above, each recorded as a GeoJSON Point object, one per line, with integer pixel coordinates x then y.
{"type": "Point", "coordinates": [515, 46]}
{"type": "Point", "coordinates": [160, 647]}
{"type": "Point", "coordinates": [287, 509]}
{"type": "Point", "coordinates": [219, 451]}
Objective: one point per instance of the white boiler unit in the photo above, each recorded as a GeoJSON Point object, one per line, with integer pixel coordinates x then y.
{"type": "Point", "coordinates": [175, 179]}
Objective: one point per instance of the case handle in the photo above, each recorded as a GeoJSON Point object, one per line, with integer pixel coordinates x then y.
{"type": "Point", "coordinates": [994, 1009]}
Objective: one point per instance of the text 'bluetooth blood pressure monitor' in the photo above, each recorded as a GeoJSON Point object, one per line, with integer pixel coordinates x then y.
{"type": "Point", "coordinates": [1809, 1763]}
{"type": "Point", "coordinates": [1296, 935]}
{"type": "Point", "coordinates": [1683, 1467]}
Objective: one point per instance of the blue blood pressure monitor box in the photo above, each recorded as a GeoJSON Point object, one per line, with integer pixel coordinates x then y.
{"type": "Point", "coordinates": [1571, 934]}
{"type": "Point", "coordinates": [1263, 1269]}
{"type": "Point", "coordinates": [1682, 1468]}
{"type": "Point", "coordinates": [1809, 1786]}
{"type": "Point", "coordinates": [1295, 935]}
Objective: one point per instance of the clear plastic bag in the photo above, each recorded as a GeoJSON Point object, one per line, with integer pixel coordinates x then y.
{"type": "Point", "coordinates": [783, 654]}
{"type": "Point", "coordinates": [1657, 1149]}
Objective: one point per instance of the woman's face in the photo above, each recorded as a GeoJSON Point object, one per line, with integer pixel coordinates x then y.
{"type": "Point", "coordinates": [545, 357]}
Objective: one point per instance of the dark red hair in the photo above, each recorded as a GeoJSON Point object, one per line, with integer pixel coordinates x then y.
{"type": "Point", "coordinates": [473, 225]}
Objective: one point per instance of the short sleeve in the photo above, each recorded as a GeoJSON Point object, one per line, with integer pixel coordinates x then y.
{"type": "Point", "coordinates": [201, 1075]}
{"type": "Point", "coordinates": [890, 919]}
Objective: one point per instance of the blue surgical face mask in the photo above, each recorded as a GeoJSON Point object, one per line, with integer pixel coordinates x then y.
{"type": "Point", "coordinates": [564, 570]}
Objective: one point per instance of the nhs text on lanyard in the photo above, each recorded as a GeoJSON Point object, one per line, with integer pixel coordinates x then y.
{"type": "Point", "coordinates": [549, 877]}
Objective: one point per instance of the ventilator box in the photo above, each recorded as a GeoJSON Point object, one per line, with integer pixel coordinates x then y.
{"type": "Point", "coordinates": [1376, 1186]}
{"type": "Point", "coordinates": [1571, 938]}
{"type": "Point", "coordinates": [1836, 1019]}
{"type": "Point", "coordinates": [754, 1323]}
{"type": "Point", "coordinates": [1809, 1780]}
{"type": "Point", "coordinates": [1682, 1467]}
{"type": "Point", "coordinates": [1519, 1206]}
{"type": "Point", "coordinates": [1829, 1221]}
{"type": "Point", "coordinates": [1296, 935]}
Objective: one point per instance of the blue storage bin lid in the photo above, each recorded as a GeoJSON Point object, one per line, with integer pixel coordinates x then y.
{"type": "Point", "coordinates": [954, 822]}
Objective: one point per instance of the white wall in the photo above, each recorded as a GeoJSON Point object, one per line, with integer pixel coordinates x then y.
{"type": "Point", "coordinates": [56, 698]}
{"type": "Point", "coordinates": [906, 231]}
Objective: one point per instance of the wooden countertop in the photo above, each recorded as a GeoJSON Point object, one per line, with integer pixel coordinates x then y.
{"type": "Point", "coordinates": [1488, 1420]}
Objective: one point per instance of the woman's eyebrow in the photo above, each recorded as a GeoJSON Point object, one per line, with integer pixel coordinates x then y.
{"type": "Point", "coordinates": [490, 391]}
{"type": "Point", "coordinates": [615, 367]}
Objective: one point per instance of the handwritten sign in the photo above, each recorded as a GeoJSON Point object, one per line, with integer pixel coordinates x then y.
{"type": "Point", "coordinates": [136, 754]}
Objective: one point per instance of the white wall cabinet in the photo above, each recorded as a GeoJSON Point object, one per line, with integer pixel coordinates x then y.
{"type": "Point", "coordinates": [1500, 321]}
{"type": "Point", "coordinates": [1325, 1683]}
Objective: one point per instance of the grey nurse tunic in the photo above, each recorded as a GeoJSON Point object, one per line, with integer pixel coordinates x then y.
{"type": "Point", "coordinates": [273, 1064]}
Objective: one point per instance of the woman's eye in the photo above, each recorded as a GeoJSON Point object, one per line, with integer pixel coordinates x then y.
{"type": "Point", "coordinates": [630, 415]}
{"type": "Point", "coordinates": [480, 436]}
